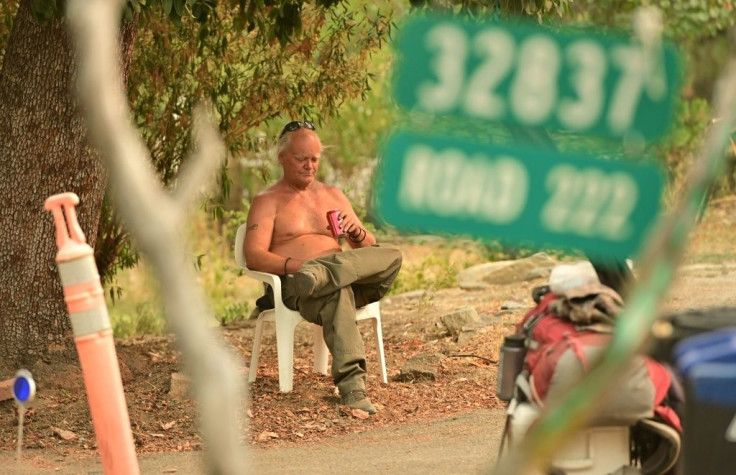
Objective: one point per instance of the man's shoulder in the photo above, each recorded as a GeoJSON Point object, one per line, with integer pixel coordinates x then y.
{"type": "Point", "coordinates": [333, 190]}
{"type": "Point", "coordinates": [272, 192]}
{"type": "Point", "coordinates": [266, 198]}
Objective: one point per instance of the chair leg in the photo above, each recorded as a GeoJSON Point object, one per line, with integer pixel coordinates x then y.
{"type": "Point", "coordinates": [378, 329]}
{"type": "Point", "coordinates": [320, 350]}
{"type": "Point", "coordinates": [285, 328]}
{"type": "Point", "coordinates": [253, 370]}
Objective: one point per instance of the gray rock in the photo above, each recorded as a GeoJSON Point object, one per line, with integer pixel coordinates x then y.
{"type": "Point", "coordinates": [475, 326]}
{"type": "Point", "coordinates": [421, 367]}
{"type": "Point", "coordinates": [467, 332]}
{"type": "Point", "coordinates": [466, 285]}
{"type": "Point", "coordinates": [490, 319]}
{"type": "Point", "coordinates": [455, 320]}
{"type": "Point", "coordinates": [472, 277]}
{"type": "Point", "coordinates": [538, 273]}
{"type": "Point", "coordinates": [511, 305]}
{"type": "Point", "coordinates": [179, 389]}
{"type": "Point", "coordinates": [506, 272]}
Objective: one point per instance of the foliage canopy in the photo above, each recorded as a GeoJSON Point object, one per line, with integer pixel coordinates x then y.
{"type": "Point", "coordinates": [259, 60]}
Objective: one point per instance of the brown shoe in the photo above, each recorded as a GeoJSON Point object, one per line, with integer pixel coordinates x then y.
{"type": "Point", "coordinates": [358, 399]}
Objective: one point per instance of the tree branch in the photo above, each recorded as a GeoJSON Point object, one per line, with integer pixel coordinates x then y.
{"type": "Point", "coordinates": [470, 355]}
{"type": "Point", "coordinates": [198, 169]}
{"type": "Point", "coordinates": [152, 217]}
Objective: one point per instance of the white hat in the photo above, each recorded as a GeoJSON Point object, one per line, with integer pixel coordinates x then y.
{"type": "Point", "coordinates": [567, 276]}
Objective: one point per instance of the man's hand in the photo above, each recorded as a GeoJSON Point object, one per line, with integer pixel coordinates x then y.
{"type": "Point", "coordinates": [357, 235]}
{"type": "Point", "coordinates": [350, 223]}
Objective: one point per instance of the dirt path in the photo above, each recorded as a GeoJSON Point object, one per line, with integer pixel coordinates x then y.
{"type": "Point", "coordinates": [460, 444]}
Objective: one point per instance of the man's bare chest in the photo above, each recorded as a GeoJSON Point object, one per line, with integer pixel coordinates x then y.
{"type": "Point", "coordinates": [306, 215]}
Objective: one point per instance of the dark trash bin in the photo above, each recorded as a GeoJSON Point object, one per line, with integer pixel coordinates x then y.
{"type": "Point", "coordinates": [676, 327]}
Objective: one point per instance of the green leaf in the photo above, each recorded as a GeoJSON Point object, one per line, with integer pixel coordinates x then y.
{"type": "Point", "coordinates": [179, 7]}
{"type": "Point", "coordinates": [44, 10]}
{"type": "Point", "coordinates": [128, 12]}
{"type": "Point", "coordinates": [198, 262]}
{"type": "Point", "coordinates": [681, 137]}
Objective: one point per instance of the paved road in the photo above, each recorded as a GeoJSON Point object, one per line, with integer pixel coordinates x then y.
{"type": "Point", "coordinates": [458, 445]}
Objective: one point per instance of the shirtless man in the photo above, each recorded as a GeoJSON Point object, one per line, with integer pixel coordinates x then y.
{"type": "Point", "coordinates": [287, 234]}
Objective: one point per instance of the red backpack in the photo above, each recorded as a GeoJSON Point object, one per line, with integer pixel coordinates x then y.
{"type": "Point", "coordinates": [559, 353]}
{"type": "Point", "coordinates": [543, 328]}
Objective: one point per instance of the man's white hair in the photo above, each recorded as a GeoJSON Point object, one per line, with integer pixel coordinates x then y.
{"type": "Point", "coordinates": [284, 141]}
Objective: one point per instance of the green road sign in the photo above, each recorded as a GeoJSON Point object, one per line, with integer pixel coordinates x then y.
{"type": "Point", "coordinates": [514, 194]}
{"type": "Point", "coordinates": [536, 77]}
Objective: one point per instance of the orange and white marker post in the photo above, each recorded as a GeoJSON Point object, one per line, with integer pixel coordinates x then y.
{"type": "Point", "coordinates": [85, 302]}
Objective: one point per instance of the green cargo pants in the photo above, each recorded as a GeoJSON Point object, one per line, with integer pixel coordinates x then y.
{"type": "Point", "coordinates": [345, 281]}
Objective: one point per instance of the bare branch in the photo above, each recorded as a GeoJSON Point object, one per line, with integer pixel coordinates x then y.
{"type": "Point", "coordinates": [198, 169]}
{"type": "Point", "coordinates": [151, 216]}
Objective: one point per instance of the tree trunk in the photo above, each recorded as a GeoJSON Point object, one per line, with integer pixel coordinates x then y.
{"type": "Point", "coordinates": [43, 151]}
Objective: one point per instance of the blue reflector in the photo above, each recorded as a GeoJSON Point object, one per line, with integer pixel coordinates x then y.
{"type": "Point", "coordinates": [24, 387]}
{"type": "Point", "coordinates": [21, 389]}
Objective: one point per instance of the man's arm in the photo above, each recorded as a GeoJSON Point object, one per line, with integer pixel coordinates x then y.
{"type": "Point", "coordinates": [357, 234]}
{"type": "Point", "coordinates": [258, 234]}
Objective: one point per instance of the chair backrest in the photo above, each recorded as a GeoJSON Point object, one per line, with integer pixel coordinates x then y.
{"type": "Point", "coordinates": [239, 240]}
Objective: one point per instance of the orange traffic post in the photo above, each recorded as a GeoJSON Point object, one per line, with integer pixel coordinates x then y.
{"type": "Point", "coordinates": [85, 302]}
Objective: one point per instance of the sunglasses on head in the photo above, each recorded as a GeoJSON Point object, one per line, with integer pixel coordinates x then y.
{"type": "Point", "coordinates": [296, 125]}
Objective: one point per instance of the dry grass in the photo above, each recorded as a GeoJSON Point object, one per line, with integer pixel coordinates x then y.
{"type": "Point", "coordinates": [712, 240]}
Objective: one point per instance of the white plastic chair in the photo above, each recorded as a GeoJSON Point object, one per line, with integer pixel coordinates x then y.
{"type": "Point", "coordinates": [286, 321]}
